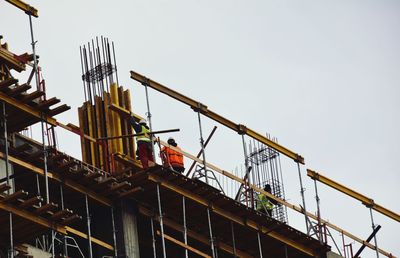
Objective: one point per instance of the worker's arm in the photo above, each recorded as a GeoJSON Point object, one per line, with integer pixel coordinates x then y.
{"type": "Point", "coordinates": [135, 125]}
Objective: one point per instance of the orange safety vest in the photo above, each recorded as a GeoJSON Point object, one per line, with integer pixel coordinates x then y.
{"type": "Point", "coordinates": [172, 157]}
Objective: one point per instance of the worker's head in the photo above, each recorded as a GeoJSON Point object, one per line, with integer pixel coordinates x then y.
{"type": "Point", "coordinates": [142, 121]}
{"type": "Point", "coordinates": [267, 188]}
{"type": "Point", "coordinates": [171, 141]}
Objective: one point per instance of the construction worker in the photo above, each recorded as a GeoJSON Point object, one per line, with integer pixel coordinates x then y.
{"type": "Point", "coordinates": [264, 203]}
{"type": "Point", "coordinates": [144, 147]}
{"type": "Point", "coordinates": [172, 158]}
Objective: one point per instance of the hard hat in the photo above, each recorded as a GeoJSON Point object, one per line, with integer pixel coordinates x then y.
{"type": "Point", "coordinates": [171, 139]}
{"type": "Point", "coordinates": [142, 121]}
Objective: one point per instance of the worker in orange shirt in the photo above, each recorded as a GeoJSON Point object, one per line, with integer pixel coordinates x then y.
{"type": "Point", "coordinates": [172, 158]}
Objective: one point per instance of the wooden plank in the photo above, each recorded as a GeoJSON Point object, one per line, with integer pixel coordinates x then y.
{"type": "Point", "coordinates": [177, 242]}
{"type": "Point", "coordinates": [46, 208]}
{"type": "Point", "coordinates": [30, 202]}
{"type": "Point", "coordinates": [130, 192]}
{"type": "Point", "coordinates": [45, 104]}
{"type": "Point", "coordinates": [7, 83]}
{"type": "Point", "coordinates": [18, 90]}
{"type": "Point", "coordinates": [4, 187]}
{"type": "Point", "coordinates": [59, 214]}
{"type": "Point", "coordinates": [70, 219]}
{"type": "Point", "coordinates": [14, 196]}
{"type": "Point", "coordinates": [31, 96]}
{"type": "Point", "coordinates": [94, 240]}
{"type": "Point", "coordinates": [59, 110]}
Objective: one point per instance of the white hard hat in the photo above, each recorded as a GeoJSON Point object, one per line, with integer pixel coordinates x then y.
{"type": "Point", "coordinates": [142, 121]}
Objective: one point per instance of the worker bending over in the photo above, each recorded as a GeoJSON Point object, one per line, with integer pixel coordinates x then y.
{"type": "Point", "coordinates": [172, 158]}
{"type": "Point", "coordinates": [264, 203]}
{"type": "Point", "coordinates": [144, 146]}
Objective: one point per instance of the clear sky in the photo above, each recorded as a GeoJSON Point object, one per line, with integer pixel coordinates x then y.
{"type": "Point", "coordinates": [321, 76]}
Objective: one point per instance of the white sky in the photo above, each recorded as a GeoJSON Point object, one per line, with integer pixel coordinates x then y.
{"type": "Point", "coordinates": [321, 76]}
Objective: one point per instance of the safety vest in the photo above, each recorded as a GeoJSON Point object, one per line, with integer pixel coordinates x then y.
{"type": "Point", "coordinates": [262, 201]}
{"type": "Point", "coordinates": [145, 137]}
{"type": "Point", "coordinates": [172, 157]}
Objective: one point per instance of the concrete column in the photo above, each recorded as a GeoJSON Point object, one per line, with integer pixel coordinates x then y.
{"type": "Point", "coordinates": [127, 231]}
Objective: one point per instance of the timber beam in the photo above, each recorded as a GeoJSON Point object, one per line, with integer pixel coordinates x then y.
{"type": "Point", "coordinates": [30, 10]}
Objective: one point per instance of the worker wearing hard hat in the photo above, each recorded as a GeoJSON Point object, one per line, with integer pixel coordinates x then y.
{"type": "Point", "coordinates": [144, 146]}
{"type": "Point", "coordinates": [172, 158]}
{"type": "Point", "coordinates": [263, 203]}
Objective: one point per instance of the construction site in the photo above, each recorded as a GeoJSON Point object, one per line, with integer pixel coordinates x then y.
{"type": "Point", "coordinates": [102, 201]}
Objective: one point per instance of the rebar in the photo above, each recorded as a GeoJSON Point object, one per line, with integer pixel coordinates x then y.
{"type": "Point", "coordinates": [161, 221]}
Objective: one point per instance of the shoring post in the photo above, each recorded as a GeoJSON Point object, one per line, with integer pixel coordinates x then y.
{"type": "Point", "coordinates": [233, 240]}
{"type": "Point", "coordinates": [53, 234]}
{"type": "Point", "coordinates": [161, 221]}
{"type": "Point", "coordinates": [318, 212]}
{"type": "Point", "coordinates": [149, 118]}
{"type": "Point", "coordinates": [184, 224]}
{"type": "Point", "coordinates": [211, 233]}
{"type": "Point", "coordinates": [344, 246]}
{"type": "Point", "coordinates": [88, 227]}
{"type": "Point", "coordinates": [286, 252]}
{"type": "Point", "coordinates": [62, 208]}
{"type": "Point", "coordinates": [153, 238]}
{"type": "Point", "coordinates": [373, 228]}
{"type": "Point", "coordinates": [259, 244]}
{"type": "Point", "coordinates": [202, 144]}
{"type": "Point", "coordinates": [114, 232]}
{"type": "Point", "coordinates": [4, 118]}
{"type": "Point", "coordinates": [303, 198]}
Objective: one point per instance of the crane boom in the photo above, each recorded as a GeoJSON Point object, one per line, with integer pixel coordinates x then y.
{"type": "Point", "coordinates": [203, 109]}
{"type": "Point", "coordinates": [362, 198]}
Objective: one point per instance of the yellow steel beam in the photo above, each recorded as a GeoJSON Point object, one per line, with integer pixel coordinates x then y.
{"type": "Point", "coordinates": [67, 182]}
{"type": "Point", "coordinates": [239, 220]}
{"type": "Point", "coordinates": [271, 196]}
{"type": "Point", "coordinates": [30, 10]}
{"type": "Point", "coordinates": [197, 106]}
{"type": "Point", "coordinates": [181, 244]}
{"type": "Point", "coordinates": [85, 236]}
{"type": "Point", "coordinates": [362, 198]}
{"type": "Point", "coordinates": [33, 218]}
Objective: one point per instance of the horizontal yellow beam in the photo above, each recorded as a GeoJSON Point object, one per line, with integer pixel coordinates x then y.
{"type": "Point", "coordinates": [67, 182]}
{"type": "Point", "coordinates": [195, 105]}
{"type": "Point", "coordinates": [239, 220]}
{"type": "Point", "coordinates": [362, 198]}
{"type": "Point", "coordinates": [24, 7]}
{"type": "Point", "coordinates": [271, 196]}
{"type": "Point", "coordinates": [33, 218]}
{"type": "Point", "coordinates": [85, 236]}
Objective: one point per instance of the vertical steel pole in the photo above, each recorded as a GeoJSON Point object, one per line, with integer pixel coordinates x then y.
{"type": "Point", "coordinates": [202, 146]}
{"type": "Point", "coordinates": [184, 224]}
{"type": "Point", "coordinates": [211, 233]}
{"type": "Point", "coordinates": [286, 252]}
{"type": "Point", "coordinates": [373, 228]}
{"type": "Point", "coordinates": [161, 221]}
{"type": "Point", "coordinates": [4, 118]}
{"type": "Point", "coordinates": [153, 238]}
{"type": "Point", "coordinates": [233, 240]}
{"type": "Point", "coordinates": [52, 243]}
{"type": "Point", "coordinates": [62, 208]}
{"type": "Point", "coordinates": [149, 118]}
{"type": "Point", "coordinates": [88, 227]}
{"type": "Point", "coordinates": [318, 211]}
{"type": "Point", "coordinates": [302, 197]}
{"type": "Point", "coordinates": [259, 244]}
{"type": "Point", "coordinates": [114, 232]}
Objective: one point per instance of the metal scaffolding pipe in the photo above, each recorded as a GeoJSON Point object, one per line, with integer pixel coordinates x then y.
{"type": "Point", "coordinates": [184, 224]}
{"type": "Point", "coordinates": [202, 146]}
{"type": "Point", "coordinates": [114, 232]}
{"type": "Point", "coordinates": [233, 240]}
{"type": "Point", "coordinates": [303, 199]}
{"type": "Point", "coordinates": [211, 233]}
{"type": "Point", "coordinates": [161, 221]}
{"type": "Point", "coordinates": [150, 124]}
{"type": "Point", "coordinates": [88, 227]}
{"type": "Point", "coordinates": [373, 229]}
{"type": "Point", "coordinates": [153, 238]}
{"type": "Point", "coordinates": [259, 244]}
{"type": "Point", "coordinates": [318, 212]}
{"type": "Point", "coordinates": [62, 208]}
